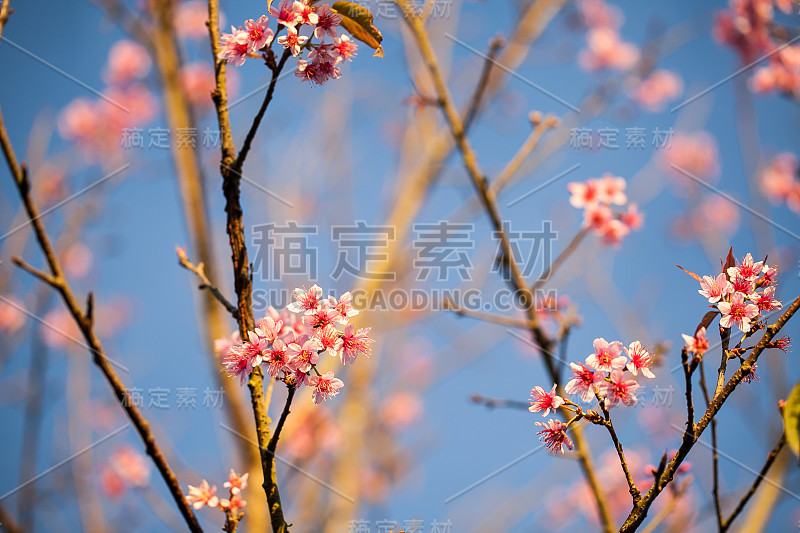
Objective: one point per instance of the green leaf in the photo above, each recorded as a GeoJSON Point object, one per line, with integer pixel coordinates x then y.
{"type": "Point", "coordinates": [791, 420]}
{"type": "Point", "coordinates": [357, 20]}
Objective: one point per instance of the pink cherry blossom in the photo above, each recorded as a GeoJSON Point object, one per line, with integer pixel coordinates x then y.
{"type": "Point", "coordinates": [331, 340]}
{"type": "Point", "coordinates": [597, 216]}
{"type": "Point", "coordinates": [613, 231]}
{"type": "Point", "coordinates": [236, 363]}
{"type": "Point", "coordinates": [653, 92]}
{"type": "Point", "coordinates": [304, 353]}
{"type": "Point", "coordinates": [259, 33]}
{"type": "Point", "coordinates": [236, 483]}
{"type": "Point", "coordinates": [747, 269]}
{"type": "Point", "coordinates": [611, 189]}
{"type": "Point", "coordinates": [737, 312]}
{"type": "Point", "coordinates": [751, 375]}
{"type": "Point", "coordinates": [583, 194]}
{"type": "Point", "coordinates": [766, 300]}
{"type": "Point", "coordinates": [744, 285]}
{"type": "Point", "coordinates": [321, 317]}
{"type": "Point", "coordinates": [234, 505]}
{"type": "Point", "coordinates": [633, 218]}
{"type": "Point", "coordinates": [344, 47]}
{"type": "Point", "coordinates": [343, 306]}
{"type": "Point", "coordinates": [328, 20]}
{"type": "Point", "coordinates": [770, 276]}
{"type": "Point", "coordinates": [307, 14]}
{"type": "Point", "coordinates": [617, 389]}
{"type": "Point", "coordinates": [202, 495]}
{"type": "Point", "coordinates": [582, 382]}
{"type": "Point", "coordinates": [542, 400]}
{"type": "Point", "coordinates": [606, 356]}
{"type": "Point", "coordinates": [355, 343]}
{"type": "Point", "coordinates": [745, 27]}
{"type": "Point", "coordinates": [287, 13]}
{"type": "Point", "coordinates": [127, 61]}
{"type": "Point", "coordinates": [783, 344]}
{"type": "Point", "coordinates": [698, 344]}
{"type": "Point", "coordinates": [400, 410]}
{"type": "Point", "coordinates": [277, 358]}
{"type": "Point", "coordinates": [268, 328]}
{"type": "Point", "coordinates": [306, 301]}
{"type": "Point", "coordinates": [782, 73]}
{"type": "Point", "coordinates": [235, 47]}
{"type": "Point", "coordinates": [325, 387]}
{"type": "Point", "coordinates": [554, 436]}
{"type": "Point", "coordinates": [715, 288]}
{"type": "Point", "coordinates": [607, 50]}
{"type": "Point", "coordinates": [640, 360]}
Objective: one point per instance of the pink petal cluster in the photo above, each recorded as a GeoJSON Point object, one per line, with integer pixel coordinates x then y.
{"type": "Point", "coordinates": [607, 356]}
{"type": "Point", "coordinates": [736, 296]}
{"type": "Point", "coordinates": [323, 59]}
{"type": "Point", "coordinates": [289, 343]}
{"type": "Point", "coordinates": [640, 359]}
{"type": "Point", "coordinates": [779, 181]}
{"type": "Point", "coordinates": [596, 196]}
{"type": "Point", "coordinates": [206, 495]}
{"type": "Point", "coordinates": [11, 316]}
{"type": "Point", "coordinates": [655, 91]}
{"type": "Point", "coordinates": [127, 61]}
{"type": "Point", "coordinates": [616, 389]}
{"type": "Point", "coordinates": [599, 14]}
{"type": "Point", "coordinates": [606, 50]}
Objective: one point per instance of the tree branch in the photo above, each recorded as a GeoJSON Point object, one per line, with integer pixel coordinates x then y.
{"type": "Point", "coordinates": [199, 270]}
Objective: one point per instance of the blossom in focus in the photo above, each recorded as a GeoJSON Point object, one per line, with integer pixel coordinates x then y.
{"type": "Point", "coordinates": [747, 269]}
{"type": "Point", "coordinates": [306, 300]}
{"type": "Point", "coordinates": [554, 436]}
{"type": "Point", "coordinates": [715, 288]}
{"type": "Point", "coordinates": [328, 20]}
{"type": "Point", "coordinates": [542, 400]}
{"type": "Point", "coordinates": [640, 359]}
{"type": "Point", "coordinates": [202, 495]}
{"type": "Point", "coordinates": [766, 300]}
{"type": "Point", "coordinates": [259, 33]}
{"type": "Point", "coordinates": [236, 483]}
{"type": "Point", "coordinates": [737, 312]}
{"type": "Point", "coordinates": [617, 389]}
{"type": "Point", "coordinates": [355, 343]}
{"type": "Point", "coordinates": [325, 386]}
{"type": "Point", "coordinates": [582, 382]}
{"type": "Point", "coordinates": [234, 47]}
{"type": "Point", "coordinates": [607, 356]}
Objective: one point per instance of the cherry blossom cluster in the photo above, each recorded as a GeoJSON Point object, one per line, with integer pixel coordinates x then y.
{"type": "Point", "coordinates": [604, 376]}
{"type": "Point", "coordinates": [323, 58]}
{"type": "Point", "coordinates": [747, 26]}
{"type": "Point", "coordinates": [205, 494]}
{"type": "Point", "coordinates": [596, 197]}
{"type": "Point", "coordinates": [735, 293]}
{"type": "Point", "coordinates": [288, 344]}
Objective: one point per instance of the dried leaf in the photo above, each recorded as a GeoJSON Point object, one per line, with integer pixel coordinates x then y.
{"type": "Point", "coordinates": [357, 20]}
{"type": "Point", "coordinates": [695, 276]}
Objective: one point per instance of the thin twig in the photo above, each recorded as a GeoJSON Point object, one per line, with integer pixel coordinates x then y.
{"type": "Point", "coordinates": [687, 375]}
{"type": "Point", "coordinates": [498, 402]}
{"type": "Point", "coordinates": [524, 151]}
{"type": "Point", "coordinates": [632, 488]}
{"type": "Point", "coordinates": [489, 317]}
{"type": "Point", "coordinates": [773, 455]}
{"type": "Point", "coordinates": [199, 270]}
{"type": "Point", "coordinates": [248, 140]}
{"type": "Point", "coordinates": [714, 451]}
{"type": "Point", "coordinates": [565, 253]}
